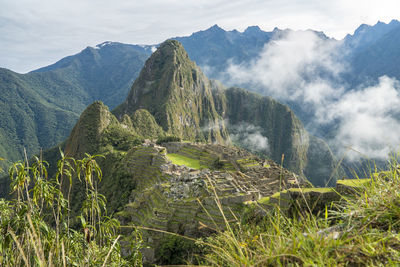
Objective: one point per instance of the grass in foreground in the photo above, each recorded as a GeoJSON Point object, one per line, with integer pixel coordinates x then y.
{"type": "Point", "coordinates": [353, 182]}
{"type": "Point", "coordinates": [35, 226]}
{"type": "Point", "coordinates": [362, 230]}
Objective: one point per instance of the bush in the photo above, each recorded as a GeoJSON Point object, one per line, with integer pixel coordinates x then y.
{"type": "Point", "coordinates": [120, 138]}
{"type": "Point", "coordinates": [175, 250]}
{"type": "Point", "coordinates": [35, 226]}
{"type": "Point", "coordinates": [168, 139]}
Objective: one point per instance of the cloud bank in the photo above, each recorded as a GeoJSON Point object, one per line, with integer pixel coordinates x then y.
{"type": "Point", "coordinates": [305, 68]}
{"type": "Point", "coordinates": [249, 136]}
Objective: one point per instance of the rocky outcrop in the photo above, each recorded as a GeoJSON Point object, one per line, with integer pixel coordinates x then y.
{"type": "Point", "coordinates": [86, 134]}
{"type": "Point", "coordinates": [175, 91]}
{"type": "Point", "coordinates": [271, 129]}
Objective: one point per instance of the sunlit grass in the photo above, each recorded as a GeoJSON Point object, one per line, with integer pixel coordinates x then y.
{"type": "Point", "coordinates": [354, 182]}
{"type": "Point", "coordinates": [186, 161]}
{"type": "Point", "coordinates": [362, 229]}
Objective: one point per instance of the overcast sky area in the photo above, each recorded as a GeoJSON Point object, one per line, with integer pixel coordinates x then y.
{"type": "Point", "coordinates": [36, 33]}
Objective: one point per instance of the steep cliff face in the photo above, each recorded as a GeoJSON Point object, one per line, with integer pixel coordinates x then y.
{"type": "Point", "coordinates": [175, 91]}
{"type": "Point", "coordinates": [268, 127]}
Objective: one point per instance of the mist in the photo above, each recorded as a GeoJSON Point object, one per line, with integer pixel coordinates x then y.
{"type": "Point", "coordinates": [249, 136]}
{"type": "Point", "coordinates": [306, 68]}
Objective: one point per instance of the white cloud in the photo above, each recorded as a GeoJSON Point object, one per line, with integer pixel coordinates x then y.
{"type": "Point", "coordinates": [36, 33]}
{"type": "Point", "coordinates": [250, 137]}
{"type": "Point", "coordinates": [304, 68]}
{"type": "Point", "coordinates": [297, 63]}
{"type": "Point", "coordinates": [369, 119]}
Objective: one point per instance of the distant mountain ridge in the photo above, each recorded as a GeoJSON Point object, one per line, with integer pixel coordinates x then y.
{"type": "Point", "coordinates": [106, 72]}
{"type": "Point", "coordinates": [38, 109]}
{"type": "Point", "coordinates": [365, 34]}
{"type": "Point", "coordinates": [379, 53]}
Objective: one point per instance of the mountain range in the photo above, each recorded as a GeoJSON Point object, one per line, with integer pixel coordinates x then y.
{"type": "Point", "coordinates": [106, 72]}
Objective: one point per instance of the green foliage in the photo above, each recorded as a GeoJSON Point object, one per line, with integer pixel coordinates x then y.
{"type": "Point", "coordinates": [30, 117]}
{"type": "Point", "coordinates": [175, 250]}
{"type": "Point", "coordinates": [353, 182]}
{"type": "Point", "coordinates": [145, 124]}
{"type": "Point", "coordinates": [39, 109]}
{"type": "Point", "coordinates": [120, 138]}
{"type": "Point", "coordinates": [36, 228]}
{"type": "Point", "coordinates": [168, 139]}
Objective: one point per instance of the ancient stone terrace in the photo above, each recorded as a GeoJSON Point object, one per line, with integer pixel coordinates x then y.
{"type": "Point", "coordinates": [178, 183]}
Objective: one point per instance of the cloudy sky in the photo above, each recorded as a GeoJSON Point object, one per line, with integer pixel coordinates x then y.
{"type": "Point", "coordinates": [36, 33]}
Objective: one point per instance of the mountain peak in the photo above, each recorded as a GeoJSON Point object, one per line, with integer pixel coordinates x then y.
{"type": "Point", "coordinates": [171, 46]}
{"type": "Point", "coordinates": [365, 34]}
{"type": "Point", "coordinates": [174, 90]}
{"type": "Point", "coordinates": [103, 44]}
{"type": "Point", "coordinates": [252, 29]}
{"type": "Point", "coordinates": [215, 28]}
{"type": "Point", "coordinates": [85, 135]}
{"type": "Point", "coordinates": [168, 56]}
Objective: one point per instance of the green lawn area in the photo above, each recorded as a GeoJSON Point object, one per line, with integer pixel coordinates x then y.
{"type": "Point", "coordinates": [182, 160]}
{"type": "Point", "coordinates": [265, 200]}
{"type": "Point", "coordinates": [354, 182]}
{"type": "Point", "coordinates": [312, 189]}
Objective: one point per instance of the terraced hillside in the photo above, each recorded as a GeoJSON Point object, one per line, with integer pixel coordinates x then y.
{"type": "Point", "coordinates": [311, 199]}
{"type": "Point", "coordinates": [177, 198]}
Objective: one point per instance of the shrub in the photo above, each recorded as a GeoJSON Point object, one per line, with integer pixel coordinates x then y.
{"type": "Point", "coordinates": [35, 226]}
{"type": "Point", "coordinates": [168, 139]}
{"type": "Point", "coordinates": [176, 250]}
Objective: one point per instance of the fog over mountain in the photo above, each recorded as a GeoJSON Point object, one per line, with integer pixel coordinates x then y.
{"type": "Point", "coordinates": [315, 75]}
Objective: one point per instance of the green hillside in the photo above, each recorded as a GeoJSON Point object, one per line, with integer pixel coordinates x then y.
{"type": "Point", "coordinates": [28, 118]}
{"type": "Point", "coordinates": [179, 96]}
{"type": "Point", "coordinates": [39, 109]}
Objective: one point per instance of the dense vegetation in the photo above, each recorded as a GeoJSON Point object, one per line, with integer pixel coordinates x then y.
{"type": "Point", "coordinates": [38, 229]}
{"type": "Point", "coordinates": [39, 109]}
